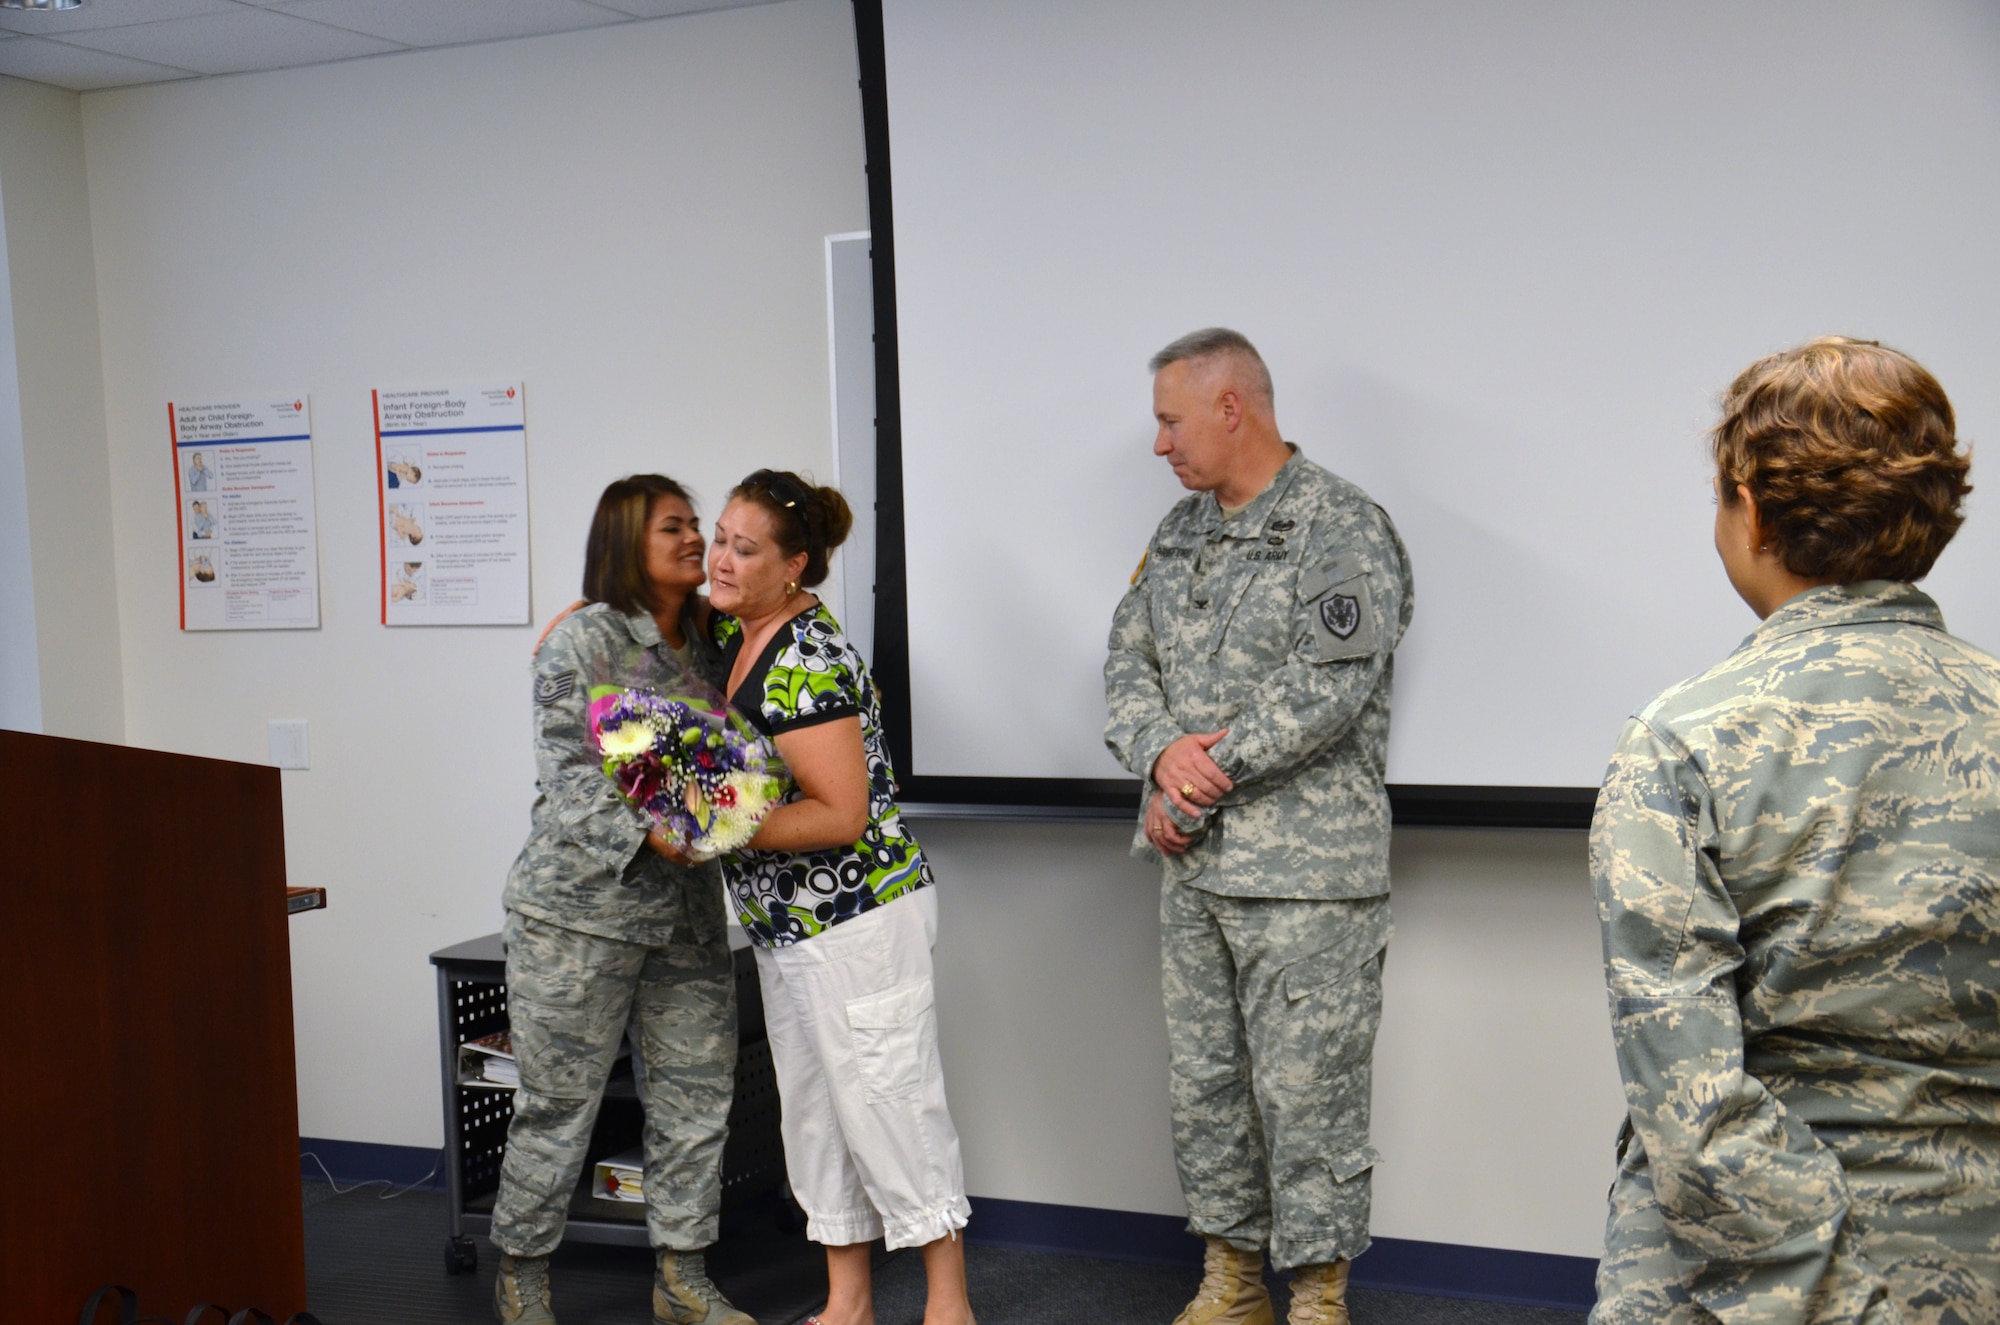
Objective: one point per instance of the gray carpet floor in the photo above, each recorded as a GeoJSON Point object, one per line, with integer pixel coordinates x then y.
{"type": "Point", "coordinates": [381, 1262]}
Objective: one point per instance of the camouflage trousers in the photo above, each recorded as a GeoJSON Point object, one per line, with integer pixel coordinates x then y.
{"type": "Point", "coordinates": [1272, 1007]}
{"type": "Point", "coordinates": [1920, 1243]}
{"type": "Point", "coordinates": [570, 998]}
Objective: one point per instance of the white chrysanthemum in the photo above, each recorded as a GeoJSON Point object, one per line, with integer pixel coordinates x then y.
{"type": "Point", "coordinates": [629, 738]}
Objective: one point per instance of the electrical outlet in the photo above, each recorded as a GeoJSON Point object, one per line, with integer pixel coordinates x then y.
{"type": "Point", "coordinates": [288, 742]}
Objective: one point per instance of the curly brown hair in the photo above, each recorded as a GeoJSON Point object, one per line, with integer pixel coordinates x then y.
{"type": "Point", "coordinates": [1851, 452]}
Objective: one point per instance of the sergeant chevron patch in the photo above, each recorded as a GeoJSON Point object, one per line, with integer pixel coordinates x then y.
{"type": "Point", "coordinates": [550, 689]}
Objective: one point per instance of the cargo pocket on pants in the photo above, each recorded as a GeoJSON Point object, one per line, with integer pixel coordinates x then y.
{"type": "Point", "coordinates": [1346, 1168]}
{"type": "Point", "coordinates": [892, 1040]}
{"type": "Point", "coordinates": [1333, 1001]}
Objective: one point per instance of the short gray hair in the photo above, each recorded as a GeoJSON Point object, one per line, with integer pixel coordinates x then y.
{"type": "Point", "coordinates": [1215, 343]}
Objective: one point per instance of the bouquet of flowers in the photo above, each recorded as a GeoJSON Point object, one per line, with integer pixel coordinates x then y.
{"type": "Point", "coordinates": [706, 781]}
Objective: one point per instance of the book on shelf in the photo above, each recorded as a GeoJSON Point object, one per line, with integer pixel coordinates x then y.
{"type": "Point", "coordinates": [489, 1061]}
{"type": "Point", "coordinates": [617, 1178]}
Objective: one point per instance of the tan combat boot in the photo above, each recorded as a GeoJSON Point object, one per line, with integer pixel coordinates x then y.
{"type": "Point", "coordinates": [684, 1295]}
{"type": "Point", "coordinates": [521, 1291]}
{"type": "Point", "coordinates": [1319, 1295]}
{"type": "Point", "coordinates": [1232, 1289]}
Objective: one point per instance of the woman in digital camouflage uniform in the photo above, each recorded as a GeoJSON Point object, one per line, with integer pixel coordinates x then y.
{"type": "Point", "coordinates": [608, 930]}
{"type": "Point", "coordinates": [1797, 864]}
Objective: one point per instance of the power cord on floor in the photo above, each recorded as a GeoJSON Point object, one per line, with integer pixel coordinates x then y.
{"type": "Point", "coordinates": [390, 1195]}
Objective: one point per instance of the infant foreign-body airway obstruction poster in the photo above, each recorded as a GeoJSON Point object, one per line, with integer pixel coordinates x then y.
{"type": "Point", "coordinates": [451, 471]}
{"type": "Point", "coordinates": [248, 556]}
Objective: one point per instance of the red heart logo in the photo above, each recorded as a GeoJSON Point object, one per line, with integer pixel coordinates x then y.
{"type": "Point", "coordinates": [298, 404]}
{"type": "Point", "coordinates": [510, 393]}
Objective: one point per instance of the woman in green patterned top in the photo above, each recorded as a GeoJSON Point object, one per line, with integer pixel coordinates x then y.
{"type": "Point", "coordinates": [836, 896]}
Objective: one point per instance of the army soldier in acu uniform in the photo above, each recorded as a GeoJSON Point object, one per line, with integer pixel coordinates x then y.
{"type": "Point", "coordinates": [1248, 684]}
{"type": "Point", "coordinates": [1797, 860]}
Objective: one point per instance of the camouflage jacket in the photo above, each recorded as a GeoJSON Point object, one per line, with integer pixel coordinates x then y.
{"type": "Point", "coordinates": [1797, 864]}
{"type": "Point", "coordinates": [1279, 623]}
{"type": "Point", "coordinates": [586, 865]}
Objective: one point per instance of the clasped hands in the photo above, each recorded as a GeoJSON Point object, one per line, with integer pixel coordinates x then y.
{"type": "Point", "coordinates": [1186, 775]}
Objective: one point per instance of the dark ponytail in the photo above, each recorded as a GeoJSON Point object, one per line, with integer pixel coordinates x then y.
{"type": "Point", "coordinates": [808, 519]}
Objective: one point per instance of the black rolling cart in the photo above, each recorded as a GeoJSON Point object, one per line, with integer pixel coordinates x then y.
{"type": "Point", "coordinates": [472, 1002]}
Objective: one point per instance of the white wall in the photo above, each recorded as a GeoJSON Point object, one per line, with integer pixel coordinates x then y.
{"type": "Point", "coordinates": [631, 220]}
{"type": "Point", "coordinates": [1496, 1095]}
{"type": "Point", "coordinates": [20, 672]}
{"type": "Point", "coordinates": [50, 287]}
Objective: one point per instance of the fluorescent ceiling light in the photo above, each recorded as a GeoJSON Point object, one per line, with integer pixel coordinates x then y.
{"type": "Point", "coordinates": [43, 5]}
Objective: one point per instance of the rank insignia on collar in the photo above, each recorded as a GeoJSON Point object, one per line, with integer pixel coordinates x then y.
{"type": "Point", "coordinates": [1283, 526]}
{"type": "Point", "coordinates": [550, 689]}
{"type": "Point", "coordinates": [1341, 614]}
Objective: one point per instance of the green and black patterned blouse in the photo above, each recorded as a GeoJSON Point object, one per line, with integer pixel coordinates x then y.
{"type": "Point", "coordinates": [810, 674]}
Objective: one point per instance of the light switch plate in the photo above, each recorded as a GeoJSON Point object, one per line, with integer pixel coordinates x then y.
{"type": "Point", "coordinates": [288, 742]}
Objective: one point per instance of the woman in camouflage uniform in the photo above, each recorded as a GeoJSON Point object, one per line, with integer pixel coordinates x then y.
{"type": "Point", "coordinates": [1797, 865]}
{"type": "Point", "coordinates": [607, 930]}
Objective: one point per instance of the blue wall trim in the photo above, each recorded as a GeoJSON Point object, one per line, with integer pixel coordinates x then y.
{"type": "Point", "coordinates": [1440, 1269]}
{"type": "Point", "coordinates": [365, 1161]}
{"type": "Point", "coordinates": [1075, 1230]}
{"type": "Point", "coordinates": [1402, 1265]}
{"type": "Point", "coordinates": [1490, 1274]}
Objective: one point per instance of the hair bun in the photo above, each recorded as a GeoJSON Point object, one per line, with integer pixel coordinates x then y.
{"type": "Point", "coordinates": [810, 519]}
{"type": "Point", "coordinates": [836, 515]}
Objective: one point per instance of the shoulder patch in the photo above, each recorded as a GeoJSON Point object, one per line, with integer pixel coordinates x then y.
{"type": "Point", "coordinates": [1340, 613]}
{"type": "Point", "coordinates": [552, 689]}
{"type": "Point", "coordinates": [1343, 624]}
{"type": "Point", "coordinates": [1338, 609]}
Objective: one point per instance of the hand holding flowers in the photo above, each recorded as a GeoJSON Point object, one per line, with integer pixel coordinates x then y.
{"type": "Point", "coordinates": [706, 781]}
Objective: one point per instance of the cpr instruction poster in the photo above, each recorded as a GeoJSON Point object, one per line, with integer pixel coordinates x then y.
{"type": "Point", "coordinates": [243, 508]}
{"type": "Point", "coordinates": [451, 468]}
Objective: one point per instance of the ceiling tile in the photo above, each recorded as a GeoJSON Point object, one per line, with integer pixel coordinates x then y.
{"type": "Point", "coordinates": [78, 70]}
{"type": "Point", "coordinates": [452, 22]}
{"type": "Point", "coordinates": [667, 8]}
{"type": "Point", "coordinates": [108, 14]}
{"type": "Point", "coordinates": [234, 42]}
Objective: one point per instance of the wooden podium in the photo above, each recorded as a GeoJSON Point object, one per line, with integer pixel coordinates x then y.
{"type": "Point", "coordinates": [149, 1117]}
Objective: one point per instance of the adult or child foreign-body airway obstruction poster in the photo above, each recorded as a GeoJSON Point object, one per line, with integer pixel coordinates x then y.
{"type": "Point", "coordinates": [243, 508]}
{"type": "Point", "coordinates": [451, 470]}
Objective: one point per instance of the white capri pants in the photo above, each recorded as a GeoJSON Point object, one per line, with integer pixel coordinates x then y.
{"type": "Point", "coordinates": [869, 1144]}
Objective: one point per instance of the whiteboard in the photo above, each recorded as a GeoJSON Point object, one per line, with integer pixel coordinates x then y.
{"type": "Point", "coordinates": [1502, 261]}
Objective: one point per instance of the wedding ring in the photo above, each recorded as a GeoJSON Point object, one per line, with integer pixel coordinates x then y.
{"type": "Point", "coordinates": [1187, 790]}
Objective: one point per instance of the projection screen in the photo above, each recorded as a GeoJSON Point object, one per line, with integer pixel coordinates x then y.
{"type": "Point", "coordinates": [1502, 259]}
